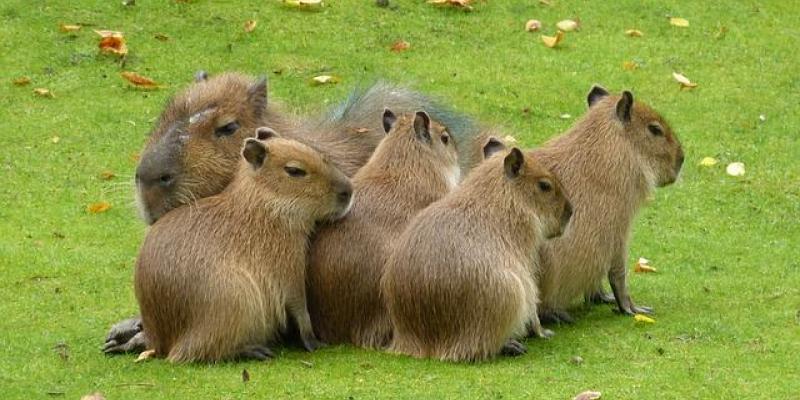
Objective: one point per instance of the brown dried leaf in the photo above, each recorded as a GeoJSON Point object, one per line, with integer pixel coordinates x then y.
{"type": "Point", "coordinates": [107, 175]}
{"type": "Point", "coordinates": [567, 25]}
{"type": "Point", "coordinates": [68, 28]}
{"type": "Point", "coordinates": [553, 41]}
{"type": "Point", "coordinates": [305, 4]}
{"type": "Point", "coordinates": [162, 37]}
{"type": "Point", "coordinates": [21, 81]}
{"type": "Point", "coordinates": [99, 207]}
{"type": "Point", "coordinates": [400, 45]}
{"type": "Point", "coordinates": [545, 2]}
{"type": "Point", "coordinates": [42, 92]}
{"type": "Point", "coordinates": [634, 33]}
{"type": "Point", "coordinates": [93, 396]}
{"type": "Point", "coordinates": [112, 42]}
{"type": "Point", "coordinates": [679, 22]}
{"type": "Point", "coordinates": [462, 4]}
{"type": "Point", "coordinates": [684, 81]}
{"type": "Point", "coordinates": [250, 25]}
{"type": "Point", "coordinates": [643, 265]}
{"type": "Point", "coordinates": [139, 81]}
{"type": "Point", "coordinates": [588, 395]}
{"type": "Point", "coordinates": [533, 25]}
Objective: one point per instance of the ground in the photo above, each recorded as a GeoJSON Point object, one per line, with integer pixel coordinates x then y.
{"type": "Point", "coordinates": [727, 290]}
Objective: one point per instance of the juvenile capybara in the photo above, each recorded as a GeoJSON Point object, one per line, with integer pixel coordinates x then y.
{"type": "Point", "coordinates": [460, 284]}
{"type": "Point", "coordinates": [219, 279]}
{"type": "Point", "coordinates": [608, 163]}
{"type": "Point", "coordinates": [415, 165]}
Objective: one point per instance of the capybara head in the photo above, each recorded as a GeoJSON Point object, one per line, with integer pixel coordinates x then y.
{"type": "Point", "coordinates": [299, 179]}
{"type": "Point", "coordinates": [193, 151]}
{"type": "Point", "coordinates": [652, 140]}
{"type": "Point", "coordinates": [538, 189]}
{"type": "Point", "coordinates": [426, 140]}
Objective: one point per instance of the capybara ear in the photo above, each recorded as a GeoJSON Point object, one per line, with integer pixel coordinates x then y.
{"type": "Point", "coordinates": [254, 152]}
{"type": "Point", "coordinates": [422, 126]}
{"type": "Point", "coordinates": [388, 120]}
{"type": "Point", "coordinates": [264, 133]}
{"type": "Point", "coordinates": [513, 163]}
{"type": "Point", "coordinates": [596, 94]}
{"type": "Point", "coordinates": [624, 106]}
{"type": "Point", "coordinates": [201, 76]}
{"type": "Point", "coordinates": [257, 96]}
{"type": "Point", "coordinates": [493, 145]}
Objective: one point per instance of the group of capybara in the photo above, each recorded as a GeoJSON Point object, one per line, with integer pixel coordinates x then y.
{"type": "Point", "coordinates": [390, 222]}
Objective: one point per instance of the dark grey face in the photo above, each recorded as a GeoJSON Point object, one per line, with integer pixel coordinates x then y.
{"type": "Point", "coordinates": [159, 170]}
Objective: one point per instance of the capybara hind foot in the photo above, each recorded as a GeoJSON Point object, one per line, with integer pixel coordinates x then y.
{"type": "Point", "coordinates": [555, 317]}
{"type": "Point", "coordinates": [631, 309]}
{"type": "Point", "coordinates": [513, 348]}
{"type": "Point", "coordinates": [600, 297]}
{"type": "Point", "coordinates": [125, 337]}
{"type": "Point", "coordinates": [255, 352]}
{"type": "Point", "coordinates": [311, 343]}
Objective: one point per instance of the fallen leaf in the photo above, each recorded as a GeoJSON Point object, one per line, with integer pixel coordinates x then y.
{"type": "Point", "coordinates": [684, 81]}
{"type": "Point", "coordinates": [93, 396]}
{"type": "Point", "coordinates": [162, 37]}
{"type": "Point", "coordinates": [305, 4]}
{"type": "Point", "coordinates": [545, 2]}
{"type": "Point", "coordinates": [553, 41]}
{"type": "Point", "coordinates": [55, 139]}
{"type": "Point", "coordinates": [42, 92]}
{"type": "Point", "coordinates": [708, 162]}
{"type": "Point", "coordinates": [135, 156]}
{"type": "Point", "coordinates": [245, 376]}
{"type": "Point", "coordinates": [643, 265]}
{"type": "Point", "coordinates": [462, 4]}
{"type": "Point", "coordinates": [630, 65]}
{"type": "Point", "coordinates": [735, 169]}
{"type": "Point", "coordinates": [97, 208]}
{"type": "Point", "coordinates": [145, 355]}
{"type": "Point", "coordinates": [112, 42]}
{"type": "Point", "coordinates": [21, 81]}
{"type": "Point", "coordinates": [762, 118]}
{"type": "Point", "coordinates": [643, 318]}
{"type": "Point", "coordinates": [721, 32]}
{"type": "Point", "coordinates": [567, 25]}
{"type": "Point", "coordinates": [68, 28]}
{"type": "Point", "coordinates": [324, 80]}
{"type": "Point", "coordinates": [634, 33]}
{"type": "Point", "coordinates": [107, 175]}
{"type": "Point", "coordinates": [139, 81]}
{"type": "Point", "coordinates": [588, 395]}
{"type": "Point", "coordinates": [400, 45]}
{"type": "Point", "coordinates": [679, 22]}
{"type": "Point", "coordinates": [250, 25]}
{"type": "Point", "coordinates": [533, 25]}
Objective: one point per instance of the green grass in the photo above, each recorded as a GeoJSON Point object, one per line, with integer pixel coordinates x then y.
{"type": "Point", "coordinates": [727, 293]}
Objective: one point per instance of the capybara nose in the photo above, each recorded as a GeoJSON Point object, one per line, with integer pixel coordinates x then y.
{"type": "Point", "coordinates": [565, 217]}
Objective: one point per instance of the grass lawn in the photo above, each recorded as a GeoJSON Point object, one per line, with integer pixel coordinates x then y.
{"type": "Point", "coordinates": [727, 249]}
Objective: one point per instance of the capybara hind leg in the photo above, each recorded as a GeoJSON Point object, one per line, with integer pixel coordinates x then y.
{"type": "Point", "coordinates": [617, 276]}
{"type": "Point", "coordinates": [555, 317]}
{"type": "Point", "coordinates": [513, 348]}
{"type": "Point", "coordinates": [125, 336]}
{"type": "Point", "coordinates": [298, 311]}
{"type": "Point", "coordinates": [600, 296]}
{"type": "Point", "coordinates": [255, 352]}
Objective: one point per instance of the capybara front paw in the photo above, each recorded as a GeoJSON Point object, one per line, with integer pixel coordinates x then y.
{"type": "Point", "coordinates": [256, 352]}
{"type": "Point", "coordinates": [513, 348]}
{"type": "Point", "coordinates": [312, 343]}
{"type": "Point", "coordinates": [135, 344]}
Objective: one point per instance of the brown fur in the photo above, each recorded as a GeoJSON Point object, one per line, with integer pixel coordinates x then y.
{"type": "Point", "coordinates": [608, 166]}
{"type": "Point", "coordinates": [221, 276]}
{"type": "Point", "coordinates": [404, 175]}
{"type": "Point", "coordinates": [187, 159]}
{"type": "Point", "coordinates": [460, 282]}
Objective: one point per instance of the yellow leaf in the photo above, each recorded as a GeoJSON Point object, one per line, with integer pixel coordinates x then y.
{"type": "Point", "coordinates": [139, 81]}
{"type": "Point", "coordinates": [679, 22]}
{"type": "Point", "coordinates": [21, 81]}
{"type": "Point", "coordinates": [567, 25]}
{"type": "Point", "coordinates": [643, 265]}
{"type": "Point", "coordinates": [588, 395]}
{"type": "Point", "coordinates": [400, 45]}
{"type": "Point", "coordinates": [324, 80]}
{"type": "Point", "coordinates": [634, 33]}
{"type": "Point", "coordinates": [69, 28]}
{"type": "Point", "coordinates": [630, 65]}
{"type": "Point", "coordinates": [553, 41]}
{"type": "Point", "coordinates": [684, 81]}
{"type": "Point", "coordinates": [112, 42]}
{"type": "Point", "coordinates": [305, 4]}
{"type": "Point", "coordinates": [708, 162]}
{"type": "Point", "coordinates": [55, 139]}
{"type": "Point", "coordinates": [145, 355]}
{"type": "Point", "coordinates": [42, 92]}
{"type": "Point", "coordinates": [99, 207]}
{"type": "Point", "coordinates": [735, 169]}
{"type": "Point", "coordinates": [533, 25]}
{"type": "Point", "coordinates": [643, 318]}
{"type": "Point", "coordinates": [250, 25]}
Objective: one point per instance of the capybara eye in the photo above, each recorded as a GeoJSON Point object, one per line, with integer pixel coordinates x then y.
{"type": "Point", "coordinates": [295, 172]}
{"type": "Point", "coordinates": [655, 130]}
{"type": "Point", "coordinates": [227, 130]}
{"type": "Point", "coordinates": [545, 186]}
{"type": "Point", "coordinates": [445, 139]}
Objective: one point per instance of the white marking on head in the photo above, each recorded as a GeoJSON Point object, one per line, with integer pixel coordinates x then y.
{"type": "Point", "coordinates": [452, 177]}
{"type": "Point", "coordinates": [202, 115]}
